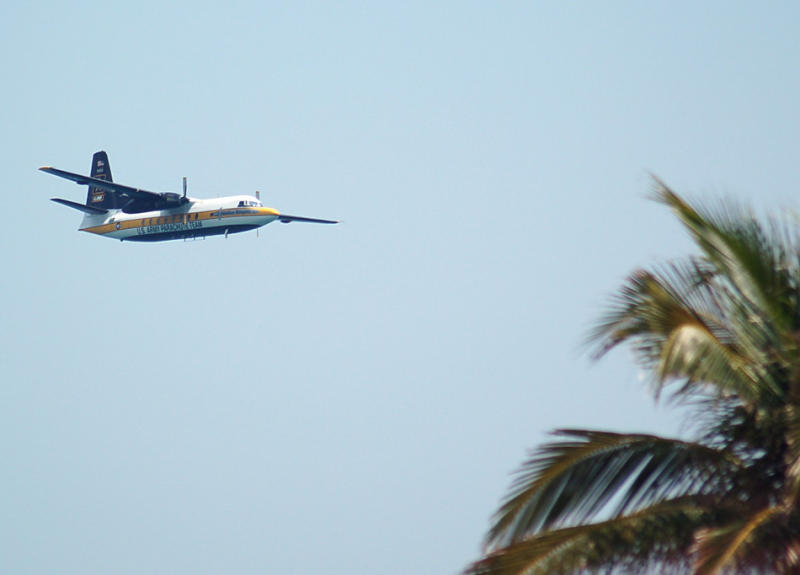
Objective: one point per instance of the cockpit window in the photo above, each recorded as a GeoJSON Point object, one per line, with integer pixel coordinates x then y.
{"type": "Point", "coordinates": [248, 204]}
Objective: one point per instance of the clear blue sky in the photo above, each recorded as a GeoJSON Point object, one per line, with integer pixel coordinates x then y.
{"type": "Point", "coordinates": [346, 399]}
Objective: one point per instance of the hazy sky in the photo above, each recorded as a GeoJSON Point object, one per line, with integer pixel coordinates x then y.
{"type": "Point", "coordinates": [352, 398]}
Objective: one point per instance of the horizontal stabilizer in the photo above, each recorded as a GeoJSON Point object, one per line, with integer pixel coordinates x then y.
{"type": "Point", "coordinates": [286, 219]}
{"type": "Point", "coordinates": [81, 207]}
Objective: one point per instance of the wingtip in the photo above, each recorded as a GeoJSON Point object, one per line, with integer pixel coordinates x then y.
{"type": "Point", "coordinates": [46, 168]}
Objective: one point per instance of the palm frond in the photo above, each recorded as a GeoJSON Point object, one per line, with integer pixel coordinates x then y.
{"type": "Point", "coordinates": [683, 329]}
{"type": "Point", "coordinates": [753, 257]}
{"type": "Point", "coordinates": [659, 535]}
{"type": "Point", "coordinates": [792, 437]}
{"type": "Point", "coordinates": [569, 481]}
{"type": "Point", "coordinates": [724, 548]}
{"type": "Point", "coordinates": [721, 331]}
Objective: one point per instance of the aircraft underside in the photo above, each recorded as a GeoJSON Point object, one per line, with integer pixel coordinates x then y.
{"type": "Point", "coordinates": [163, 226]}
{"type": "Point", "coordinates": [189, 234]}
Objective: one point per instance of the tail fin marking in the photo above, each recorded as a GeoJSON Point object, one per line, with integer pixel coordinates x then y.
{"type": "Point", "coordinates": [98, 197]}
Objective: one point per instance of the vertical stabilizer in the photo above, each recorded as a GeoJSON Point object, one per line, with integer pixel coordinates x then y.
{"type": "Point", "coordinates": [98, 197]}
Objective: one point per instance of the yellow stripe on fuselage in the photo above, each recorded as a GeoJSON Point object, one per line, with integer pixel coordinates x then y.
{"type": "Point", "coordinates": [187, 217]}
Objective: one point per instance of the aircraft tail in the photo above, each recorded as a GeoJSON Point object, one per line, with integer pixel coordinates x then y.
{"type": "Point", "coordinates": [98, 197]}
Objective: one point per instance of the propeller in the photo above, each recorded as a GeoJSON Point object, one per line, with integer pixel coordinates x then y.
{"type": "Point", "coordinates": [169, 200]}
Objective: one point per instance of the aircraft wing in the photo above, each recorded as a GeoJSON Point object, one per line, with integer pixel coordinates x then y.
{"type": "Point", "coordinates": [287, 219]}
{"type": "Point", "coordinates": [133, 193]}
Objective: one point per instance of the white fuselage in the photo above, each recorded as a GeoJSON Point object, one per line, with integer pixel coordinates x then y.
{"type": "Point", "coordinates": [194, 219]}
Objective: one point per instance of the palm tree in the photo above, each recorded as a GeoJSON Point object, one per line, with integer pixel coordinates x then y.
{"type": "Point", "coordinates": [721, 333]}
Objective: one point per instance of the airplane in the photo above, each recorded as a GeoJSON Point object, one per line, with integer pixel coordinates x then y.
{"type": "Point", "coordinates": [135, 215]}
